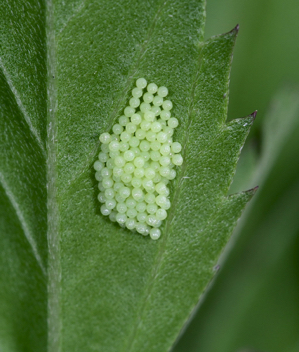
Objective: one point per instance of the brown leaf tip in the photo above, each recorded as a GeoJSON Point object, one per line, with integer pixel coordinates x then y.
{"type": "Point", "coordinates": [235, 29]}
{"type": "Point", "coordinates": [253, 190]}
{"type": "Point", "coordinates": [254, 114]}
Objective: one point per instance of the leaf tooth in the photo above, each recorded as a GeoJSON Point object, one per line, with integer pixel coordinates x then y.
{"type": "Point", "coordinates": [235, 30]}
{"type": "Point", "coordinates": [218, 154]}
{"type": "Point", "coordinates": [231, 141]}
{"type": "Point", "coordinates": [251, 118]}
{"type": "Point", "coordinates": [227, 216]}
{"type": "Point", "coordinates": [210, 94]}
{"type": "Point", "coordinates": [250, 192]}
{"type": "Point", "coordinates": [254, 115]}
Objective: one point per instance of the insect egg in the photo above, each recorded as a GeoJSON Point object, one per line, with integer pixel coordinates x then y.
{"type": "Point", "coordinates": [137, 160]}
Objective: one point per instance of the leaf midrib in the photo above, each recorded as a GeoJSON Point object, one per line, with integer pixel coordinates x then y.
{"type": "Point", "coordinates": [53, 236]}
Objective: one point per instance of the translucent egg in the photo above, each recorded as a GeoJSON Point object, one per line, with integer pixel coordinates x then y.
{"type": "Point", "coordinates": [137, 161]}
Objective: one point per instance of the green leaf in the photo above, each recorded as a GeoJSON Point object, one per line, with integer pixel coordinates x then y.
{"type": "Point", "coordinates": [254, 301]}
{"type": "Point", "coordinates": [77, 281]}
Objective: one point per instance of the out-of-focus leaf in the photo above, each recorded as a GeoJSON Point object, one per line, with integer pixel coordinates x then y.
{"type": "Point", "coordinates": [254, 301]}
{"type": "Point", "coordinates": [246, 169]}
{"type": "Point", "coordinates": [266, 54]}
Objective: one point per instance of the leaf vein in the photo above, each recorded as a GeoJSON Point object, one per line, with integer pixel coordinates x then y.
{"type": "Point", "coordinates": [22, 109]}
{"type": "Point", "coordinates": [23, 222]}
{"type": "Point", "coordinates": [76, 13]}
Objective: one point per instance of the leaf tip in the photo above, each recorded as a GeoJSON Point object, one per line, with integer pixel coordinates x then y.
{"type": "Point", "coordinates": [252, 191]}
{"type": "Point", "coordinates": [253, 115]}
{"type": "Point", "coordinates": [216, 268]}
{"type": "Point", "coordinates": [235, 30]}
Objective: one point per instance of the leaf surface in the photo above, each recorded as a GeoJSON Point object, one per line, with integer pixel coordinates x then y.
{"type": "Point", "coordinates": [109, 289]}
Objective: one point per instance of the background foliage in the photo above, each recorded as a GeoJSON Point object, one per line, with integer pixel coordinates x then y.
{"type": "Point", "coordinates": [253, 304]}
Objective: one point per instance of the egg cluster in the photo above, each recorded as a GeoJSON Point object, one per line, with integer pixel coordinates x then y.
{"type": "Point", "coordinates": [137, 161]}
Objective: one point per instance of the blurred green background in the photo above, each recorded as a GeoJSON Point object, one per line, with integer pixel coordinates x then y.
{"type": "Point", "coordinates": [253, 303]}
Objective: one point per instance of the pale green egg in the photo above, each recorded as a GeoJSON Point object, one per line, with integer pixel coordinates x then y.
{"type": "Point", "coordinates": [137, 160]}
